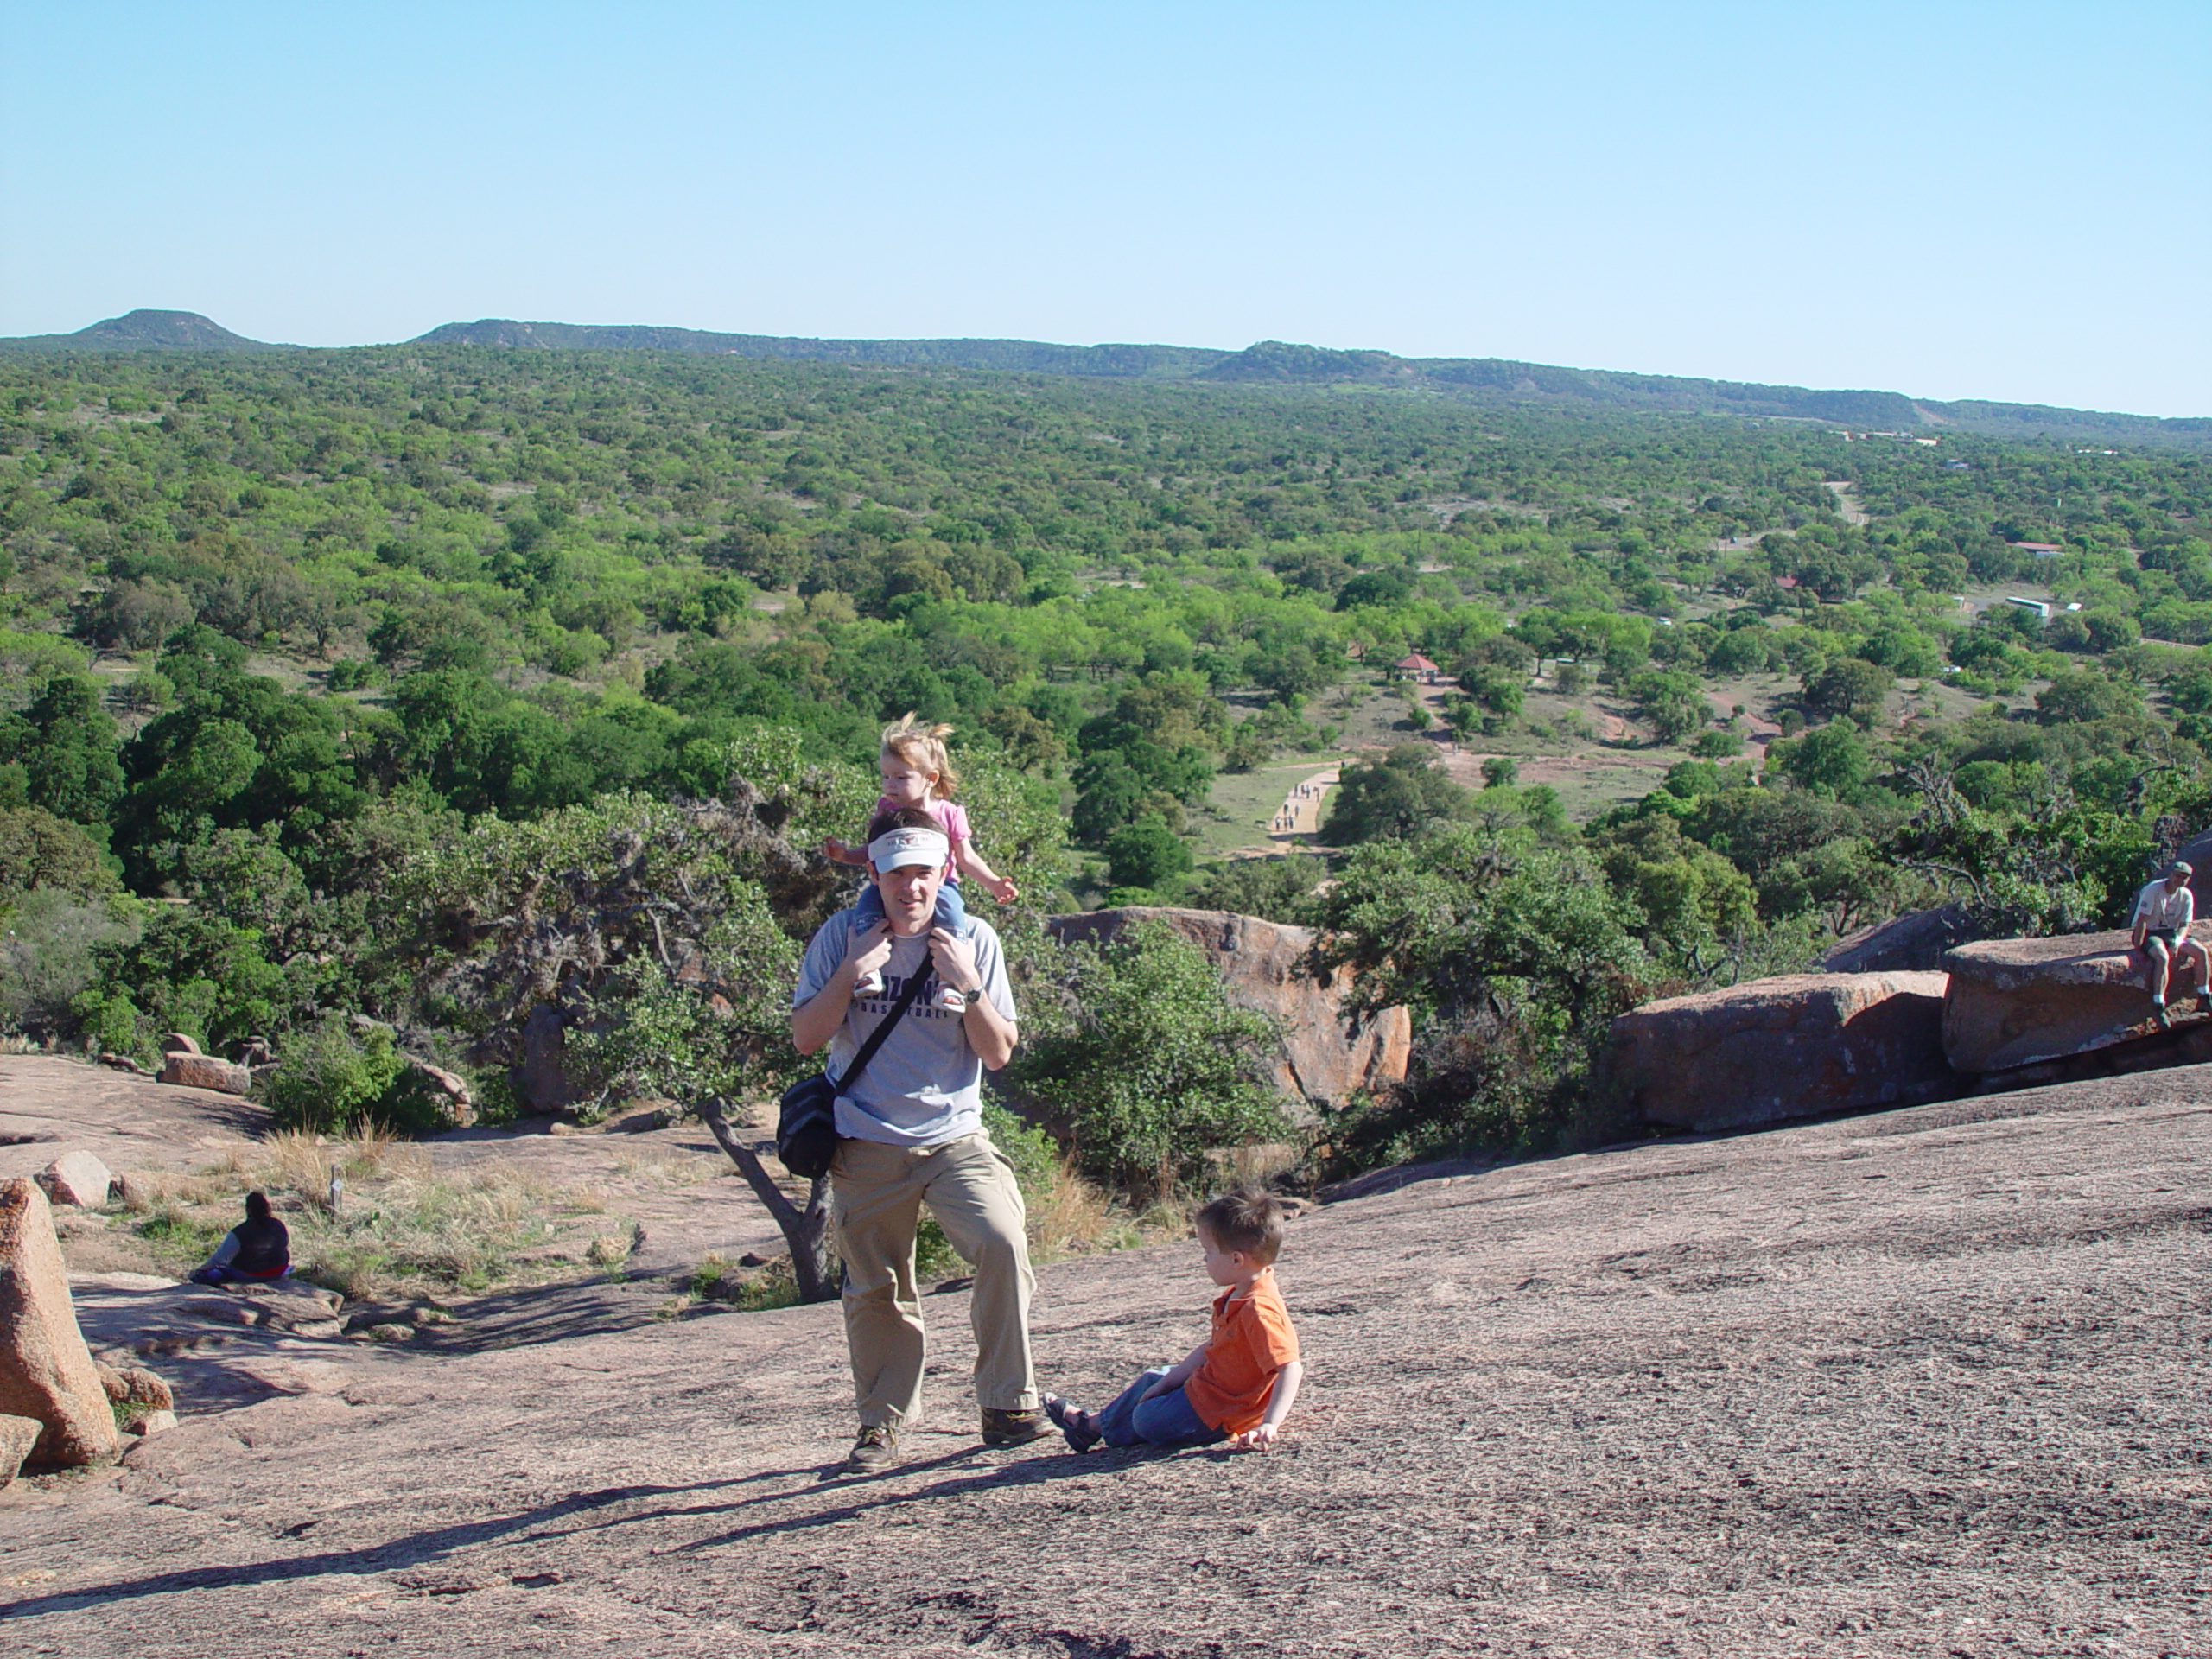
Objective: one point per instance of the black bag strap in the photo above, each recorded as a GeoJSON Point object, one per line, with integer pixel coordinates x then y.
{"type": "Point", "coordinates": [883, 1026]}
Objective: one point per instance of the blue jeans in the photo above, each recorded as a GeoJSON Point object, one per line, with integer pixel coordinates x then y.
{"type": "Point", "coordinates": [1166, 1420]}
{"type": "Point", "coordinates": [952, 909]}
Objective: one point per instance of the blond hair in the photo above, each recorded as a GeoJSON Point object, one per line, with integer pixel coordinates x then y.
{"type": "Point", "coordinates": [921, 743]}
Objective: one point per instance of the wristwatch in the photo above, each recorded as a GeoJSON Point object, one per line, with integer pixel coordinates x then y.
{"type": "Point", "coordinates": [968, 999]}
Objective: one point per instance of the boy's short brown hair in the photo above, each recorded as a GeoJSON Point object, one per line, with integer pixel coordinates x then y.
{"type": "Point", "coordinates": [1248, 1219]}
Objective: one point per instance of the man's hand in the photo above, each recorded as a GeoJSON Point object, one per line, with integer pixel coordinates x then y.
{"type": "Point", "coordinates": [1258, 1438]}
{"type": "Point", "coordinates": [868, 952]}
{"type": "Point", "coordinates": [954, 959]}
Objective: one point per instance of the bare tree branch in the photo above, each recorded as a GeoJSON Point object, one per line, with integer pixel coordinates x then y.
{"type": "Point", "coordinates": [806, 1231]}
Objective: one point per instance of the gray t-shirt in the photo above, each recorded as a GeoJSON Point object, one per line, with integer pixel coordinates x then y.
{"type": "Point", "coordinates": [925, 1085]}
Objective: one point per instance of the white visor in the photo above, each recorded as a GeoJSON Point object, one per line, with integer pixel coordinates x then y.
{"type": "Point", "coordinates": [896, 848]}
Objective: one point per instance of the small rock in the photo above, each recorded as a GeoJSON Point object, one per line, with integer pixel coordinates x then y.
{"type": "Point", "coordinates": [391, 1333]}
{"type": "Point", "coordinates": [255, 1051]}
{"type": "Point", "coordinates": [177, 1043]}
{"type": "Point", "coordinates": [77, 1178]}
{"type": "Point", "coordinates": [152, 1422]}
{"type": "Point", "coordinates": [17, 1436]}
{"type": "Point", "coordinates": [752, 1259]}
{"type": "Point", "coordinates": [121, 1063]}
{"type": "Point", "coordinates": [206, 1072]}
{"type": "Point", "coordinates": [133, 1385]}
{"type": "Point", "coordinates": [319, 1330]}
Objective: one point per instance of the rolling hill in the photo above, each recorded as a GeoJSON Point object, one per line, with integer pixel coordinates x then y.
{"type": "Point", "coordinates": [1267, 362]}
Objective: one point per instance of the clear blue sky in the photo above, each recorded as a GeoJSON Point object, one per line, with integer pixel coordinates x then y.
{"type": "Point", "coordinates": [1971, 200]}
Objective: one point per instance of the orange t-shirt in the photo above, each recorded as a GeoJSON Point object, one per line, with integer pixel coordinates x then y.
{"type": "Point", "coordinates": [1252, 1341]}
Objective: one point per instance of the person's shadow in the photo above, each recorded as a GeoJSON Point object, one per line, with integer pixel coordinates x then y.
{"type": "Point", "coordinates": [542, 1523]}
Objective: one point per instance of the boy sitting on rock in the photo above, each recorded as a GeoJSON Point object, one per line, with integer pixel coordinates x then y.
{"type": "Point", "coordinates": [1239, 1383]}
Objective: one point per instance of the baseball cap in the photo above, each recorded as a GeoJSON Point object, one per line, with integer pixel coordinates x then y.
{"type": "Point", "coordinates": [895, 849]}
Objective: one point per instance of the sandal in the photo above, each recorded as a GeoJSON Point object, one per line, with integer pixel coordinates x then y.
{"type": "Point", "coordinates": [1077, 1426]}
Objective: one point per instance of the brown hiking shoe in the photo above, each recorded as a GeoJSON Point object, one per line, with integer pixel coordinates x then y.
{"type": "Point", "coordinates": [1012, 1427]}
{"type": "Point", "coordinates": [876, 1450]}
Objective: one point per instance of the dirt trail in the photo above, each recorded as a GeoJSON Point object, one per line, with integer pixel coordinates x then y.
{"type": "Point", "coordinates": [1300, 812]}
{"type": "Point", "coordinates": [1921, 1382]}
{"type": "Point", "coordinates": [1847, 504]}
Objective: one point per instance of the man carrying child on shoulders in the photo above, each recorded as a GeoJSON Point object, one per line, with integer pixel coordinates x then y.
{"type": "Point", "coordinates": [911, 1133]}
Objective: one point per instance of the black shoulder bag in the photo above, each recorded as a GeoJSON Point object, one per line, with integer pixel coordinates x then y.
{"type": "Point", "coordinates": [806, 1124]}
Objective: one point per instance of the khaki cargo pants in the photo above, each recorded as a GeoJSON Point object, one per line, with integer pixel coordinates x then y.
{"type": "Point", "coordinates": [876, 1195]}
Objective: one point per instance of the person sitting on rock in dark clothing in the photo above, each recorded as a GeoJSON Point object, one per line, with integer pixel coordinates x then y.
{"type": "Point", "coordinates": [255, 1251]}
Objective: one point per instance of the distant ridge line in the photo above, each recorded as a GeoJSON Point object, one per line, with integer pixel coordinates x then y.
{"type": "Point", "coordinates": [1269, 362]}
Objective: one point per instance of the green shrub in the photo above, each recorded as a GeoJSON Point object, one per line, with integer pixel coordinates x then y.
{"type": "Point", "coordinates": [48, 941]}
{"type": "Point", "coordinates": [1036, 1163]}
{"type": "Point", "coordinates": [332, 1076]}
{"type": "Point", "coordinates": [1150, 1067]}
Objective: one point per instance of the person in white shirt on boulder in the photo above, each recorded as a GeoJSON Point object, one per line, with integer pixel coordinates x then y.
{"type": "Point", "coordinates": [2163, 911]}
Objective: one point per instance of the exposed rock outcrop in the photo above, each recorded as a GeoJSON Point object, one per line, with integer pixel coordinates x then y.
{"type": "Point", "coordinates": [1912, 942]}
{"type": "Point", "coordinates": [2019, 1001]}
{"type": "Point", "coordinates": [46, 1371]}
{"type": "Point", "coordinates": [77, 1178]}
{"type": "Point", "coordinates": [204, 1072]}
{"type": "Point", "coordinates": [1794, 1046]}
{"type": "Point", "coordinates": [1259, 963]}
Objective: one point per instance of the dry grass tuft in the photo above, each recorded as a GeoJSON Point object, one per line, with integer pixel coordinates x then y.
{"type": "Point", "coordinates": [1075, 1219]}
{"type": "Point", "coordinates": [403, 1229]}
{"type": "Point", "coordinates": [1261, 1165]}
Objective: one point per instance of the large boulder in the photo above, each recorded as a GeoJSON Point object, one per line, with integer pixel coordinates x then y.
{"type": "Point", "coordinates": [1794, 1046]}
{"type": "Point", "coordinates": [206, 1072]}
{"type": "Point", "coordinates": [46, 1371]}
{"type": "Point", "coordinates": [2020, 1001]}
{"type": "Point", "coordinates": [1260, 962]}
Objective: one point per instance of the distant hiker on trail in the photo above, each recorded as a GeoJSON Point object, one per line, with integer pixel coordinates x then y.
{"type": "Point", "coordinates": [2163, 911]}
{"type": "Point", "coordinates": [912, 1134]}
{"type": "Point", "coordinates": [1239, 1383]}
{"type": "Point", "coordinates": [255, 1251]}
{"type": "Point", "coordinates": [918, 773]}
